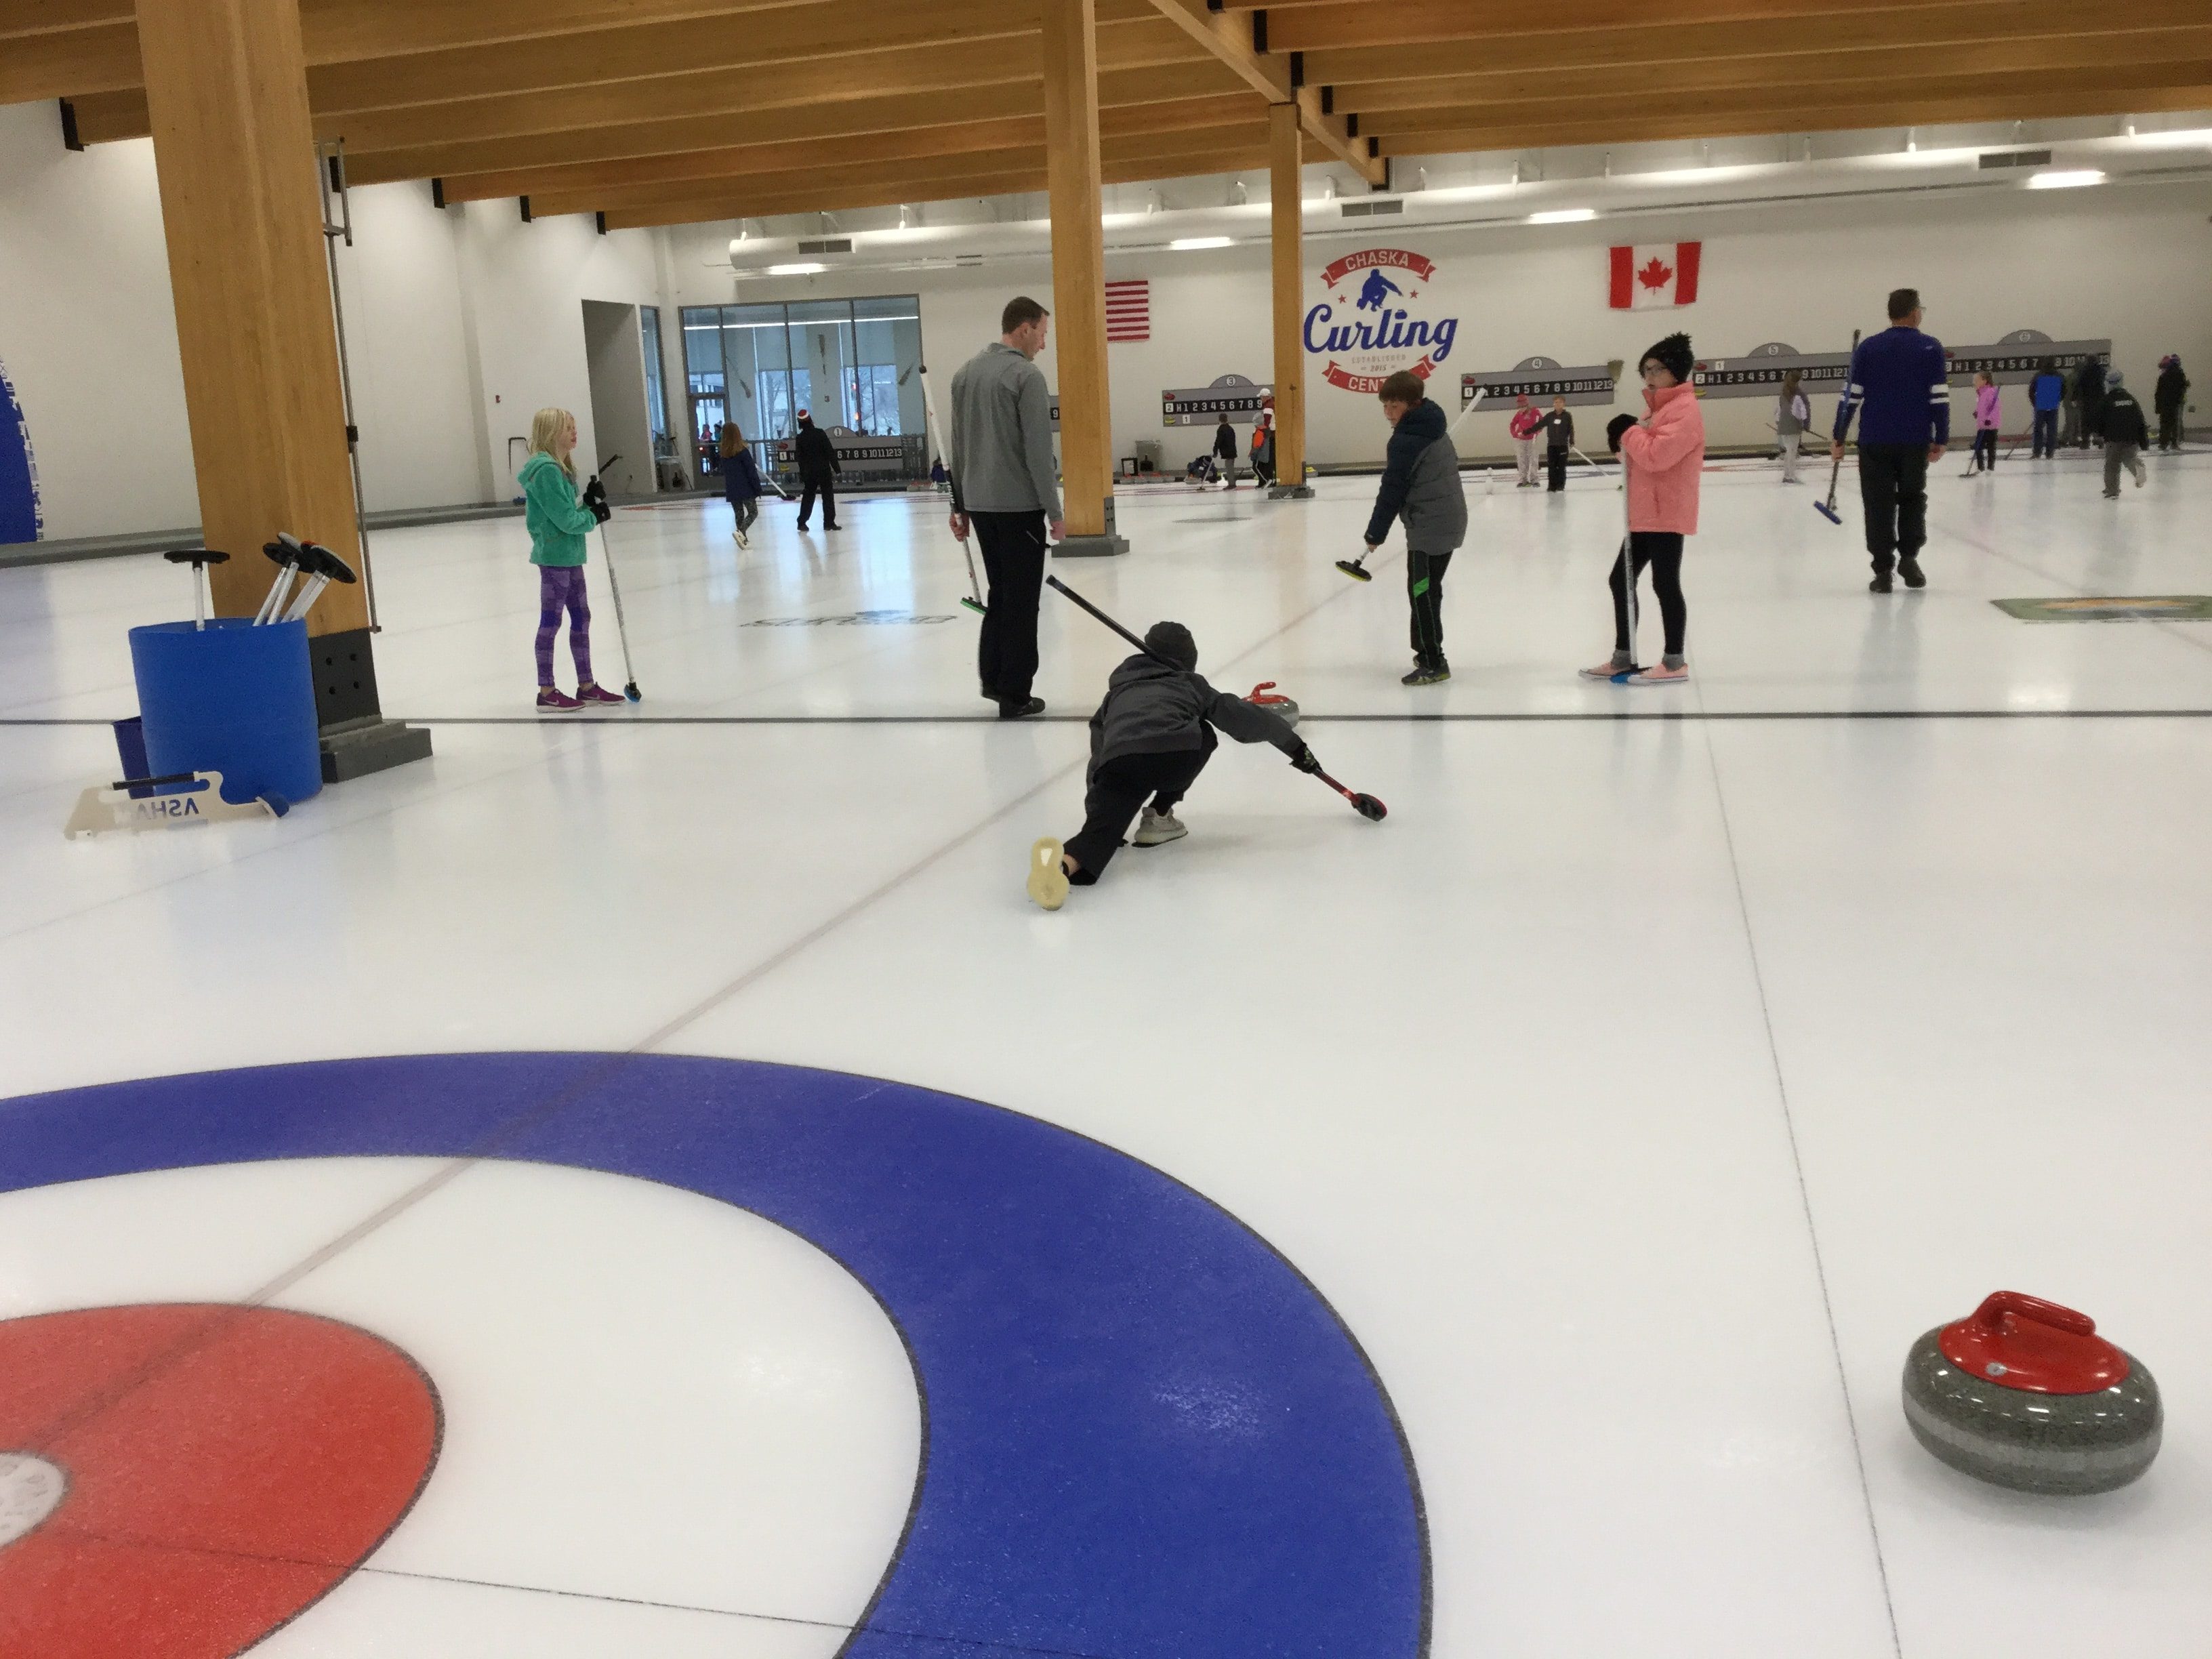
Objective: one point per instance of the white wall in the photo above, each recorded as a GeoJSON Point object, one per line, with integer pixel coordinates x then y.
{"type": "Point", "coordinates": [87, 330]}
{"type": "Point", "coordinates": [525, 285]}
{"type": "Point", "coordinates": [460, 323]}
{"type": "Point", "coordinates": [2128, 262]}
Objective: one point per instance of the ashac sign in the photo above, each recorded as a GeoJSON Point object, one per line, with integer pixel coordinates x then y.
{"type": "Point", "coordinates": [1368, 328]}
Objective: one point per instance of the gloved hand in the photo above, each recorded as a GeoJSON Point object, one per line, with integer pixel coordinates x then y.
{"type": "Point", "coordinates": [1614, 428]}
{"type": "Point", "coordinates": [595, 498]}
{"type": "Point", "coordinates": [1305, 759]}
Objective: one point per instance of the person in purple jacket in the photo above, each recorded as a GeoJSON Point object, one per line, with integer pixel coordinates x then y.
{"type": "Point", "coordinates": [1903, 377]}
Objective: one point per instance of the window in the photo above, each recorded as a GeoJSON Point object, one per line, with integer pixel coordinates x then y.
{"type": "Point", "coordinates": [847, 362]}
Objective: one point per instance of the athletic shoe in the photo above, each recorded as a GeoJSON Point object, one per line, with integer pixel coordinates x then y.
{"type": "Point", "coordinates": [1021, 711]}
{"type": "Point", "coordinates": [1426, 676]}
{"type": "Point", "coordinates": [1048, 875]}
{"type": "Point", "coordinates": [802, 524]}
{"type": "Point", "coordinates": [989, 695]}
{"type": "Point", "coordinates": [1608, 670]}
{"type": "Point", "coordinates": [1909, 569]}
{"type": "Point", "coordinates": [1659, 674]}
{"type": "Point", "coordinates": [1155, 829]}
{"type": "Point", "coordinates": [597, 697]}
{"type": "Point", "coordinates": [2111, 495]}
{"type": "Point", "coordinates": [742, 542]}
{"type": "Point", "coordinates": [1880, 583]}
{"type": "Point", "coordinates": [556, 702]}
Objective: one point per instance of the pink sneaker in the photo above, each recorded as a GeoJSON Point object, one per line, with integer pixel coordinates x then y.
{"type": "Point", "coordinates": [556, 702]}
{"type": "Point", "coordinates": [596, 696]}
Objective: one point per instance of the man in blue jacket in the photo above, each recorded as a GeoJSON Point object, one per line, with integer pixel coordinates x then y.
{"type": "Point", "coordinates": [1903, 378]}
{"type": "Point", "coordinates": [2046, 393]}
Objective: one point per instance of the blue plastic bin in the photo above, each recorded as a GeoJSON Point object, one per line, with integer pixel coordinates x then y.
{"type": "Point", "coordinates": [231, 698]}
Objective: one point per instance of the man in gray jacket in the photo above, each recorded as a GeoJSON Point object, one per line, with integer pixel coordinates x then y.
{"type": "Point", "coordinates": [1420, 485]}
{"type": "Point", "coordinates": [1003, 484]}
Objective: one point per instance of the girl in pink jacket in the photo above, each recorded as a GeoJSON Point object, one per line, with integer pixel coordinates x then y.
{"type": "Point", "coordinates": [1665, 455]}
{"type": "Point", "coordinates": [1985, 423]}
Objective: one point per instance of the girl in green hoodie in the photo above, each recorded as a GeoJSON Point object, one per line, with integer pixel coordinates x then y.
{"type": "Point", "coordinates": [558, 523]}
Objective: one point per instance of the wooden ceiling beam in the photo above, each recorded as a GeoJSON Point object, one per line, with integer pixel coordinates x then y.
{"type": "Point", "coordinates": [1528, 129]}
{"type": "Point", "coordinates": [912, 179]}
{"type": "Point", "coordinates": [1149, 129]}
{"type": "Point", "coordinates": [1186, 96]}
{"type": "Point", "coordinates": [2106, 90]}
{"type": "Point", "coordinates": [709, 209]}
{"type": "Point", "coordinates": [1232, 39]}
{"type": "Point", "coordinates": [58, 62]}
{"type": "Point", "coordinates": [1407, 107]}
{"type": "Point", "coordinates": [1354, 72]}
{"type": "Point", "coordinates": [1360, 23]}
{"type": "Point", "coordinates": [685, 112]}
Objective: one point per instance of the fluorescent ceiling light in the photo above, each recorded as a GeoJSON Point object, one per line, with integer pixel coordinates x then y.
{"type": "Point", "coordinates": [805, 268]}
{"type": "Point", "coordinates": [1694, 175]}
{"type": "Point", "coordinates": [2066, 179]}
{"type": "Point", "coordinates": [1563, 217]}
{"type": "Point", "coordinates": [1186, 243]}
{"type": "Point", "coordinates": [2183, 139]}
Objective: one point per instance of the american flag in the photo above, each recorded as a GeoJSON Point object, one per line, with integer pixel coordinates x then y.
{"type": "Point", "coordinates": [1129, 310]}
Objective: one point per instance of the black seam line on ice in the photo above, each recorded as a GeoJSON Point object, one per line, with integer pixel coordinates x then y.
{"type": "Point", "coordinates": [1699, 716]}
{"type": "Point", "coordinates": [275, 1559]}
{"type": "Point", "coordinates": [1804, 1194]}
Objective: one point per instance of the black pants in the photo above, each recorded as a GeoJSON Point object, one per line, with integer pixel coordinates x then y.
{"type": "Point", "coordinates": [1119, 788]}
{"type": "Point", "coordinates": [2169, 430]}
{"type": "Point", "coordinates": [1556, 461]}
{"type": "Point", "coordinates": [2047, 434]}
{"type": "Point", "coordinates": [825, 488]}
{"type": "Point", "coordinates": [1893, 492]}
{"type": "Point", "coordinates": [1424, 591]}
{"type": "Point", "coordinates": [1986, 448]}
{"type": "Point", "coordinates": [1013, 545]}
{"type": "Point", "coordinates": [1661, 549]}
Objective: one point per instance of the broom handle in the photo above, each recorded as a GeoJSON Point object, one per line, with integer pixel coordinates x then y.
{"type": "Point", "coordinates": [1055, 582]}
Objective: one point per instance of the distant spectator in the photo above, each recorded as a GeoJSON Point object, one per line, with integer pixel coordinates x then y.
{"type": "Point", "coordinates": [2045, 393]}
{"type": "Point", "coordinates": [1559, 427]}
{"type": "Point", "coordinates": [1522, 429]}
{"type": "Point", "coordinates": [2170, 397]}
{"type": "Point", "coordinates": [1793, 414]}
{"type": "Point", "coordinates": [2089, 392]}
{"type": "Point", "coordinates": [1224, 449]}
{"type": "Point", "coordinates": [1987, 416]}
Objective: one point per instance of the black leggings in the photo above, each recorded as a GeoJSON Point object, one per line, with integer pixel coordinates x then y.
{"type": "Point", "coordinates": [1662, 549]}
{"type": "Point", "coordinates": [747, 509]}
{"type": "Point", "coordinates": [1121, 786]}
{"type": "Point", "coordinates": [1555, 462]}
{"type": "Point", "coordinates": [1424, 589]}
{"type": "Point", "coordinates": [1985, 447]}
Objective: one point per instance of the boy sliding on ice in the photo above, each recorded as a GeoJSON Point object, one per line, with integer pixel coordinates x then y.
{"type": "Point", "coordinates": [1150, 739]}
{"type": "Point", "coordinates": [1420, 484]}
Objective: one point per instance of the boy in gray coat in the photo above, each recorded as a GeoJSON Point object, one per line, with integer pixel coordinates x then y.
{"type": "Point", "coordinates": [1420, 485]}
{"type": "Point", "coordinates": [1150, 739]}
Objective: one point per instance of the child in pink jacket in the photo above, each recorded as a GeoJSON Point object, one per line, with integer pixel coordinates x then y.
{"type": "Point", "coordinates": [1986, 423]}
{"type": "Point", "coordinates": [1665, 455]}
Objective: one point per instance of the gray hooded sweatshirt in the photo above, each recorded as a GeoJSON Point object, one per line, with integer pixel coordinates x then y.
{"type": "Point", "coordinates": [1154, 706]}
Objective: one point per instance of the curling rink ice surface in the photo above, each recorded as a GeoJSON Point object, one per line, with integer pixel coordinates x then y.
{"type": "Point", "coordinates": [653, 1185]}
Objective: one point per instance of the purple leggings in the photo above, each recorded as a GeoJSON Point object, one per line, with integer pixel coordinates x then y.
{"type": "Point", "coordinates": [560, 586]}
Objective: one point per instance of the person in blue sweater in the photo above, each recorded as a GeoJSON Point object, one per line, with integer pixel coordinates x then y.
{"type": "Point", "coordinates": [1903, 377]}
{"type": "Point", "coordinates": [2046, 392]}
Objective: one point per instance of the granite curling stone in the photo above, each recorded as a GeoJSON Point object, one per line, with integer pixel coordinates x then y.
{"type": "Point", "coordinates": [2024, 1393]}
{"type": "Point", "coordinates": [1264, 696]}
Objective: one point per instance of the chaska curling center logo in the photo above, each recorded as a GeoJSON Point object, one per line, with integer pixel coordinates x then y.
{"type": "Point", "coordinates": [1368, 329]}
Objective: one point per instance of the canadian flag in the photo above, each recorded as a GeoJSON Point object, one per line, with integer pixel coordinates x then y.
{"type": "Point", "coordinates": [1654, 274]}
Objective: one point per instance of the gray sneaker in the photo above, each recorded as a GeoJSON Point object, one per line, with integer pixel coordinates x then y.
{"type": "Point", "coordinates": [1155, 829]}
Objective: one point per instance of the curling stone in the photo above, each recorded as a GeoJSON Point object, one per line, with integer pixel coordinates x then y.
{"type": "Point", "coordinates": [2023, 1393]}
{"type": "Point", "coordinates": [1264, 696]}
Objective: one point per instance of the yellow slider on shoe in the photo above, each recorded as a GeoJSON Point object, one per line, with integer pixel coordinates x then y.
{"type": "Point", "coordinates": [1048, 876]}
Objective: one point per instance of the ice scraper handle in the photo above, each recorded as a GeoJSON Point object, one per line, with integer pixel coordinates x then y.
{"type": "Point", "coordinates": [1991, 1315]}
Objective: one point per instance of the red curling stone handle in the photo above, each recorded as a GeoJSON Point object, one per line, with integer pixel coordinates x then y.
{"type": "Point", "coordinates": [1991, 1315]}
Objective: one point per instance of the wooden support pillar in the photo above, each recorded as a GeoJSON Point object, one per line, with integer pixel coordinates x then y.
{"type": "Point", "coordinates": [1079, 274]}
{"type": "Point", "coordinates": [1286, 225]}
{"type": "Point", "coordinates": [234, 151]}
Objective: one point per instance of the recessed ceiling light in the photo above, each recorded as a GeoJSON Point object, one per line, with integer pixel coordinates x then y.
{"type": "Point", "coordinates": [1186, 243]}
{"type": "Point", "coordinates": [2066, 179]}
{"type": "Point", "coordinates": [808, 268]}
{"type": "Point", "coordinates": [1563, 217]}
{"type": "Point", "coordinates": [2185, 138]}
